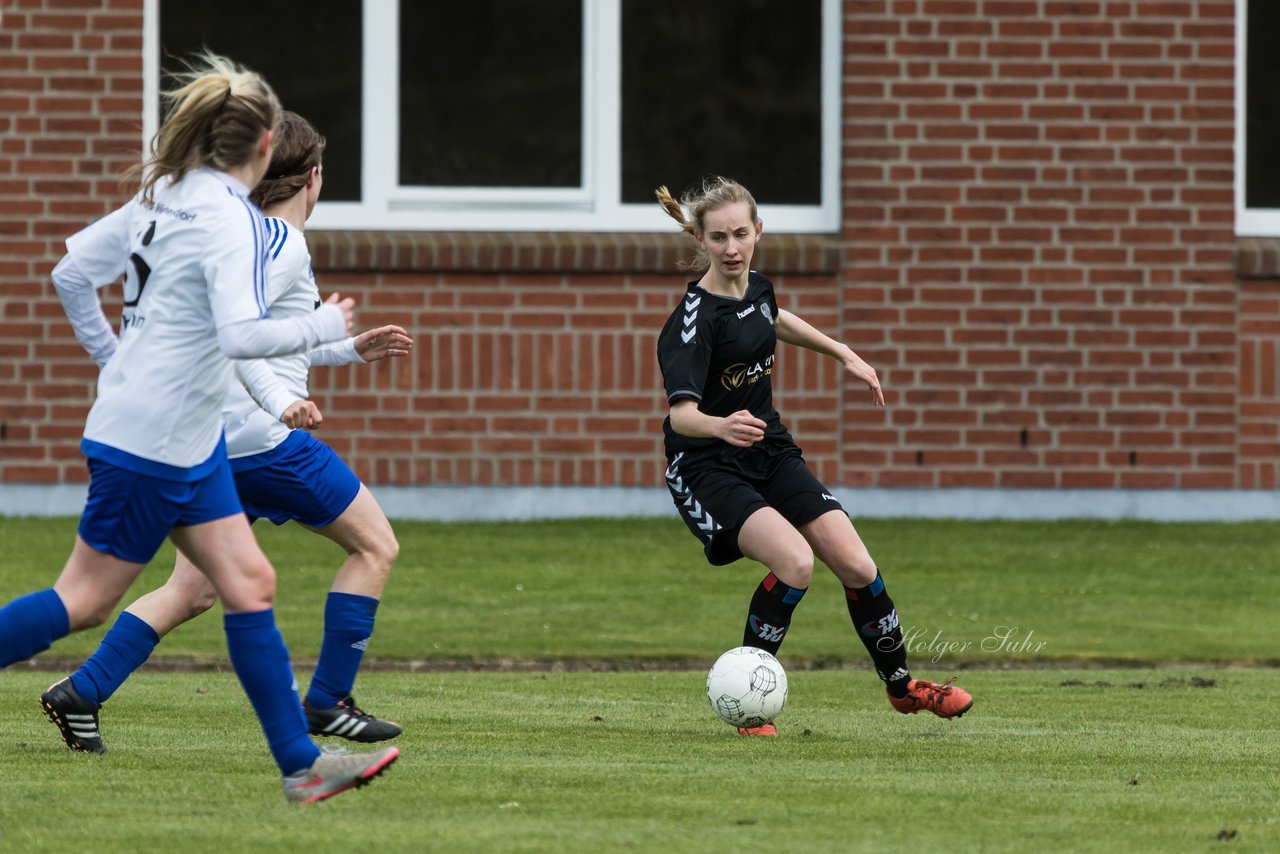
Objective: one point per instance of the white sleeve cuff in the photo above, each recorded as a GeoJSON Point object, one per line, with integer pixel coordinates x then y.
{"type": "Point", "coordinates": [336, 353]}
{"type": "Point", "coordinates": [80, 301]}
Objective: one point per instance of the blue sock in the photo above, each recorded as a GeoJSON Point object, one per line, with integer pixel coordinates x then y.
{"type": "Point", "coordinates": [30, 624]}
{"type": "Point", "coordinates": [261, 660]}
{"type": "Point", "coordinates": [348, 623]}
{"type": "Point", "coordinates": [122, 651]}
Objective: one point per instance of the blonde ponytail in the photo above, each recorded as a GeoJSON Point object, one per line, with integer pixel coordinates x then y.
{"type": "Point", "coordinates": [715, 193]}
{"type": "Point", "coordinates": [215, 118]}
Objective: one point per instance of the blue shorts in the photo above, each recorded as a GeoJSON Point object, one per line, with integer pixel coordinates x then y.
{"type": "Point", "coordinates": [302, 479]}
{"type": "Point", "coordinates": [128, 515]}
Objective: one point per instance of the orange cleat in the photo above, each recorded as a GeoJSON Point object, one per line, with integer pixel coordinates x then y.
{"type": "Point", "coordinates": [942, 698]}
{"type": "Point", "coordinates": [764, 729]}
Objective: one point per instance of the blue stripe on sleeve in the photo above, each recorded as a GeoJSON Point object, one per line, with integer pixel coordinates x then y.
{"type": "Point", "coordinates": [279, 232]}
{"type": "Point", "coordinates": [260, 258]}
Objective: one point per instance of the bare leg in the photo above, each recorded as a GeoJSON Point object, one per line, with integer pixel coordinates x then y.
{"type": "Point", "coordinates": [770, 539]}
{"type": "Point", "coordinates": [872, 612]}
{"type": "Point", "coordinates": [836, 542]}
{"type": "Point", "coordinates": [186, 595]}
{"type": "Point", "coordinates": [226, 552]}
{"type": "Point", "coordinates": [229, 556]}
{"type": "Point", "coordinates": [128, 644]}
{"type": "Point", "coordinates": [92, 584]}
{"type": "Point", "coordinates": [365, 534]}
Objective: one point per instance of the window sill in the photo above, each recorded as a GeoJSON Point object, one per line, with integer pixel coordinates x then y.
{"type": "Point", "coordinates": [547, 252]}
{"type": "Point", "coordinates": [1258, 257]}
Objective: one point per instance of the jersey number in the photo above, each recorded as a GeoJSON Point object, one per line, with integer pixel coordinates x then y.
{"type": "Point", "coordinates": [134, 284]}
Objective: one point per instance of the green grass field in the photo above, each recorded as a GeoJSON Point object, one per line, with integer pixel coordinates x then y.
{"type": "Point", "coordinates": [1125, 676]}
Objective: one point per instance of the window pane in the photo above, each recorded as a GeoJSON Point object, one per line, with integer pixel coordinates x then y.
{"type": "Point", "coordinates": [491, 93]}
{"type": "Point", "coordinates": [308, 50]}
{"type": "Point", "coordinates": [1262, 107]}
{"type": "Point", "coordinates": [724, 87]}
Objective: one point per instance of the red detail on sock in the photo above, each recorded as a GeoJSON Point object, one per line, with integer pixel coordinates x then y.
{"type": "Point", "coordinates": [769, 581]}
{"type": "Point", "coordinates": [851, 594]}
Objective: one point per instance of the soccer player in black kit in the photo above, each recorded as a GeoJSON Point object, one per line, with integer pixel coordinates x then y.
{"type": "Point", "coordinates": [737, 477]}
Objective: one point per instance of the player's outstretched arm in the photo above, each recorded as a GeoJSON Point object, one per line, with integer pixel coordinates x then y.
{"type": "Point", "coordinates": [252, 339]}
{"type": "Point", "coordinates": [794, 330]}
{"type": "Point", "coordinates": [384, 342]}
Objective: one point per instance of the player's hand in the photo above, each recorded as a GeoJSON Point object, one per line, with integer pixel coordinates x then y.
{"type": "Point", "coordinates": [302, 415]}
{"type": "Point", "coordinates": [741, 429]}
{"type": "Point", "coordinates": [385, 342]}
{"type": "Point", "coordinates": [853, 364]}
{"type": "Point", "coordinates": [346, 305]}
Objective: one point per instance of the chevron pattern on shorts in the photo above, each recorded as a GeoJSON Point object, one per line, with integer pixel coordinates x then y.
{"type": "Point", "coordinates": [692, 507]}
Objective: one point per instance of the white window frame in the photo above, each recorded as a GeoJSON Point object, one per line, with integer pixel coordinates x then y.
{"type": "Point", "coordinates": [1250, 222]}
{"type": "Point", "coordinates": [594, 206]}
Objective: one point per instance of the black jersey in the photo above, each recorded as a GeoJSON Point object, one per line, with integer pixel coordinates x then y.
{"type": "Point", "coordinates": [719, 352]}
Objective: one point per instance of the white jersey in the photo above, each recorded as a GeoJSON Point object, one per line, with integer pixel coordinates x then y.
{"type": "Point", "coordinates": [291, 292]}
{"type": "Point", "coordinates": [194, 260]}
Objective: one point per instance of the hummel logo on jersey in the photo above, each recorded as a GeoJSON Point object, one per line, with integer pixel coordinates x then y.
{"type": "Point", "coordinates": [828, 497]}
{"type": "Point", "coordinates": [748, 310]}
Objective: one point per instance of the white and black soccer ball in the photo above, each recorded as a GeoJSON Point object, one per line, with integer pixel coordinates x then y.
{"type": "Point", "coordinates": [747, 687]}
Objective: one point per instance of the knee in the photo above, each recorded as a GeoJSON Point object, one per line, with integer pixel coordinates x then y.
{"type": "Point", "coordinates": [202, 601]}
{"type": "Point", "coordinates": [795, 566]}
{"type": "Point", "coordinates": [87, 615]}
{"type": "Point", "coordinates": [379, 555]}
{"type": "Point", "coordinates": [386, 552]}
{"type": "Point", "coordinates": [254, 589]}
{"type": "Point", "coordinates": [263, 578]}
{"type": "Point", "coordinates": [856, 572]}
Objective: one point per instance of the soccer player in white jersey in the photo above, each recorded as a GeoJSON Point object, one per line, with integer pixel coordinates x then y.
{"type": "Point", "coordinates": [281, 474]}
{"type": "Point", "coordinates": [193, 251]}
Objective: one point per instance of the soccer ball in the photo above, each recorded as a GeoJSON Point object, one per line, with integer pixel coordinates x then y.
{"type": "Point", "coordinates": [747, 687]}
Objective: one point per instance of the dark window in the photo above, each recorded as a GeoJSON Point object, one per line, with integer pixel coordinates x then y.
{"type": "Point", "coordinates": [722, 87]}
{"type": "Point", "coordinates": [491, 93]}
{"type": "Point", "coordinates": [308, 50]}
{"type": "Point", "coordinates": [1262, 107]}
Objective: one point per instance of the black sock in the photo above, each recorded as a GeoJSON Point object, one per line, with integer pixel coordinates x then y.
{"type": "Point", "coordinates": [876, 622]}
{"type": "Point", "coordinates": [770, 614]}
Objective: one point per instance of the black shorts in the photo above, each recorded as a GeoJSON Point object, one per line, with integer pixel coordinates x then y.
{"type": "Point", "coordinates": [715, 494]}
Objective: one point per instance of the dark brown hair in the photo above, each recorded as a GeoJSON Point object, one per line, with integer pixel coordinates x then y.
{"type": "Point", "coordinates": [298, 148]}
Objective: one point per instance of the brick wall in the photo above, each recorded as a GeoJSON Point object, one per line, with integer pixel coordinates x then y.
{"type": "Point", "coordinates": [1040, 244]}
{"type": "Point", "coordinates": [70, 112]}
{"type": "Point", "coordinates": [1037, 253]}
{"type": "Point", "coordinates": [535, 358]}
